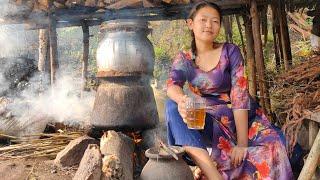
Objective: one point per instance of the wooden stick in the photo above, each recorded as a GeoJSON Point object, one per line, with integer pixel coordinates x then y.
{"type": "Point", "coordinates": [312, 161]}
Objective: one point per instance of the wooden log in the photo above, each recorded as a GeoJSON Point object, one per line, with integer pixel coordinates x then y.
{"type": "Point", "coordinates": [53, 43]}
{"type": "Point", "coordinates": [312, 160]}
{"type": "Point", "coordinates": [115, 145]}
{"type": "Point", "coordinates": [85, 57]}
{"type": "Point", "coordinates": [43, 62]}
{"type": "Point", "coordinates": [259, 56]}
{"type": "Point", "coordinates": [91, 3]}
{"type": "Point", "coordinates": [90, 165]}
{"type": "Point", "coordinates": [124, 3]}
{"type": "Point", "coordinates": [250, 56]}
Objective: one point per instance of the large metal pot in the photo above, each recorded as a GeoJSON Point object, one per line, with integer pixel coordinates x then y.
{"type": "Point", "coordinates": [125, 49]}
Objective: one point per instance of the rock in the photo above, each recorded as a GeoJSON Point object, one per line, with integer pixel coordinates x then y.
{"type": "Point", "coordinates": [74, 151]}
{"type": "Point", "coordinates": [90, 165]}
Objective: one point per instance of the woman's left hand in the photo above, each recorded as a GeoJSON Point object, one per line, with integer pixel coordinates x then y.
{"type": "Point", "coordinates": [238, 154]}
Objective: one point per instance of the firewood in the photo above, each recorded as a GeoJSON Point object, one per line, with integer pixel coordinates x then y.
{"type": "Point", "coordinates": [124, 3]}
{"type": "Point", "coordinates": [114, 146]}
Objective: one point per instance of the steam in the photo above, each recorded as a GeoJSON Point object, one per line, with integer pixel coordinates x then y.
{"type": "Point", "coordinates": [62, 103]}
{"type": "Point", "coordinates": [38, 104]}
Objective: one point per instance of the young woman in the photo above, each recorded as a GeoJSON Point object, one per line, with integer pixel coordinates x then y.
{"type": "Point", "coordinates": [244, 143]}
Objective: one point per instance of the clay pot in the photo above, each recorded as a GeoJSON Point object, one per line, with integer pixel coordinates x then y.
{"type": "Point", "coordinates": [162, 166]}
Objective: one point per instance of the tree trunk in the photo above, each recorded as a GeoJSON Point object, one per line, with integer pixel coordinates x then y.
{"type": "Point", "coordinates": [250, 57]}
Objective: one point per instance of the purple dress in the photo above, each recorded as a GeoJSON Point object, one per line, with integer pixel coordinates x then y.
{"type": "Point", "coordinates": [225, 89]}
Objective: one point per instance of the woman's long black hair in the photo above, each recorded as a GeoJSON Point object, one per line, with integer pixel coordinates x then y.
{"type": "Point", "coordinates": [193, 13]}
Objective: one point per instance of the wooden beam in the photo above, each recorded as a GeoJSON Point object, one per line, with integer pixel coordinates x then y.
{"type": "Point", "coordinates": [67, 18]}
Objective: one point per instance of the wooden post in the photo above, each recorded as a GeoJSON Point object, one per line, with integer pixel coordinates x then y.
{"type": "Point", "coordinates": [241, 36]}
{"type": "Point", "coordinates": [227, 24]}
{"type": "Point", "coordinates": [259, 55]}
{"type": "Point", "coordinates": [250, 56]}
{"type": "Point", "coordinates": [264, 24]}
{"type": "Point", "coordinates": [312, 161]}
{"type": "Point", "coordinates": [43, 62]}
{"type": "Point", "coordinates": [275, 32]}
{"type": "Point", "coordinates": [53, 42]}
{"type": "Point", "coordinates": [284, 32]}
{"type": "Point", "coordinates": [85, 57]}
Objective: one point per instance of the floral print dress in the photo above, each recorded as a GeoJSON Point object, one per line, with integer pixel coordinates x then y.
{"type": "Point", "coordinates": [225, 89]}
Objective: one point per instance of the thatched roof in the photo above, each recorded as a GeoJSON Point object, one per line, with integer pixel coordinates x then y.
{"type": "Point", "coordinates": [74, 12]}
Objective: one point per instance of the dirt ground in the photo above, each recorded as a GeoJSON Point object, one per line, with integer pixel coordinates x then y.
{"type": "Point", "coordinates": [33, 169]}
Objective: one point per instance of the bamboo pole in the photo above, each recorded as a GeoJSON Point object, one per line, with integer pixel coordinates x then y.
{"type": "Point", "coordinates": [85, 57]}
{"type": "Point", "coordinates": [53, 42]}
{"type": "Point", "coordinates": [250, 56]}
{"type": "Point", "coordinates": [259, 56]}
{"type": "Point", "coordinates": [312, 161]}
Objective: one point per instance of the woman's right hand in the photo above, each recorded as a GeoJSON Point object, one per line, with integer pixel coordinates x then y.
{"type": "Point", "coordinates": [182, 108]}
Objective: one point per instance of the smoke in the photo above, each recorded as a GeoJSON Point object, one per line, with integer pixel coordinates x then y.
{"type": "Point", "coordinates": [36, 107]}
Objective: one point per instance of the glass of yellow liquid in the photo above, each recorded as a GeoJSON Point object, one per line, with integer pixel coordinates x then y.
{"type": "Point", "coordinates": [196, 112]}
